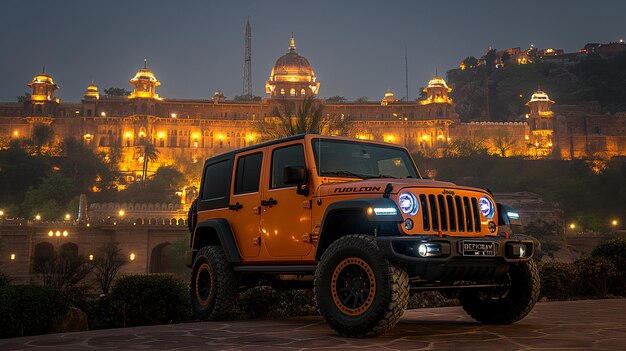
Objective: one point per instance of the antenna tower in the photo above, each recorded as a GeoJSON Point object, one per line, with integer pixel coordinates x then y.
{"type": "Point", "coordinates": [406, 73]}
{"type": "Point", "coordinates": [247, 67]}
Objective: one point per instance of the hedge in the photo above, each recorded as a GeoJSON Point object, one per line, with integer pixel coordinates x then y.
{"type": "Point", "coordinates": [30, 310]}
{"type": "Point", "coordinates": [142, 300]}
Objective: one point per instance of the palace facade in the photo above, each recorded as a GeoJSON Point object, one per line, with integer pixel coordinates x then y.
{"type": "Point", "coordinates": [188, 130]}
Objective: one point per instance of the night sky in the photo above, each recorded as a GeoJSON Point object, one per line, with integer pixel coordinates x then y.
{"type": "Point", "coordinates": [356, 48]}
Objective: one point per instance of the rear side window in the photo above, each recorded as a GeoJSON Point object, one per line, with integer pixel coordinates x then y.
{"type": "Point", "coordinates": [248, 173]}
{"type": "Point", "coordinates": [286, 156]}
{"type": "Point", "coordinates": [216, 185]}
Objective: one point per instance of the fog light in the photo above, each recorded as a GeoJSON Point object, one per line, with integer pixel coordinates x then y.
{"type": "Point", "coordinates": [422, 250]}
{"type": "Point", "coordinates": [429, 250]}
{"type": "Point", "coordinates": [492, 226]}
{"type": "Point", "coordinates": [408, 224]}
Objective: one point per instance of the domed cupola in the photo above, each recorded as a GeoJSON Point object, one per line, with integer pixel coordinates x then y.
{"type": "Point", "coordinates": [437, 91]}
{"type": "Point", "coordinates": [144, 83]}
{"type": "Point", "coordinates": [92, 91]}
{"type": "Point", "coordinates": [292, 76]}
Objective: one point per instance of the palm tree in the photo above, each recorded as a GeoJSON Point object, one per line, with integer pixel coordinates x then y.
{"type": "Point", "coordinates": [149, 153]}
{"type": "Point", "coordinates": [42, 135]}
{"type": "Point", "coordinates": [309, 119]}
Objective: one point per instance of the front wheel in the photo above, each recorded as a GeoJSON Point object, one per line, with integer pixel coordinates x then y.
{"type": "Point", "coordinates": [506, 304]}
{"type": "Point", "coordinates": [359, 292]}
{"type": "Point", "coordinates": [213, 284]}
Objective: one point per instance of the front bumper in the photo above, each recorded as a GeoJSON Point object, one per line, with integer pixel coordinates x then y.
{"type": "Point", "coordinates": [449, 263]}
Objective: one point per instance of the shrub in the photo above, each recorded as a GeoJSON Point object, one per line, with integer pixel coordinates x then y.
{"type": "Point", "coordinates": [613, 250]}
{"type": "Point", "coordinates": [598, 275]}
{"type": "Point", "coordinates": [4, 280]}
{"type": "Point", "coordinates": [263, 301]}
{"type": "Point", "coordinates": [559, 281]}
{"type": "Point", "coordinates": [30, 310]}
{"type": "Point", "coordinates": [147, 299]}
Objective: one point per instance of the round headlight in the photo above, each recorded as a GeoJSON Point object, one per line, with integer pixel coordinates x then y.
{"type": "Point", "coordinates": [408, 203]}
{"type": "Point", "coordinates": [486, 207]}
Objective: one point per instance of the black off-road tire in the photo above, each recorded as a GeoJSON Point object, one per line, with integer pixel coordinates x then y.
{"type": "Point", "coordinates": [505, 305]}
{"type": "Point", "coordinates": [213, 285]}
{"type": "Point", "coordinates": [383, 288]}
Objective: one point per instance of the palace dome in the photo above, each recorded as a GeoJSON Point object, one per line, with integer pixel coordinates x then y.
{"type": "Point", "coordinates": [438, 82]}
{"type": "Point", "coordinates": [292, 67]}
{"type": "Point", "coordinates": [540, 96]}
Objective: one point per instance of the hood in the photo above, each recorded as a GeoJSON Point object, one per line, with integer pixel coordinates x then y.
{"type": "Point", "coordinates": [377, 186]}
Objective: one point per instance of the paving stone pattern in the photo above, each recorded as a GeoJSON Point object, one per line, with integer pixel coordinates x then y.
{"type": "Point", "coordinates": [576, 325]}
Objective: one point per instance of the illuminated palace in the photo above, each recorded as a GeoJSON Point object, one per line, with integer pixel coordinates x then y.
{"type": "Point", "coordinates": [186, 130]}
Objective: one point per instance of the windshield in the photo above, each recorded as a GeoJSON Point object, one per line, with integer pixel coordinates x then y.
{"type": "Point", "coordinates": [341, 158]}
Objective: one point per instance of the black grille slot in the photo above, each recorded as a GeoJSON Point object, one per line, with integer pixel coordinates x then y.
{"type": "Point", "coordinates": [443, 214]}
{"type": "Point", "coordinates": [468, 213]}
{"type": "Point", "coordinates": [434, 214]}
{"type": "Point", "coordinates": [460, 213]}
{"type": "Point", "coordinates": [451, 213]}
{"type": "Point", "coordinates": [425, 216]}
{"type": "Point", "coordinates": [476, 215]}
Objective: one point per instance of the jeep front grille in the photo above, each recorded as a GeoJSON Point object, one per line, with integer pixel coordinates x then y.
{"type": "Point", "coordinates": [449, 213]}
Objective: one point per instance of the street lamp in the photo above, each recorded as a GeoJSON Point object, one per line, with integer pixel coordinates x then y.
{"type": "Point", "coordinates": [614, 223]}
{"type": "Point", "coordinates": [1, 213]}
{"type": "Point", "coordinates": [121, 213]}
{"type": "Point", "coordinates": [37, 217]}
{"type": "Point", "coordinates": [132, 256]}
{"type": "Point", "coordinates": [572, 226]}
{"type": "Point", "coordinates": [67, 216]}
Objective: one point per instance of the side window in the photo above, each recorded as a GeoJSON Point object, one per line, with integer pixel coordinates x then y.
{"type": "Point", "coordinates": [216, 184]}
{"type": "Point", "coordinates": [248, 173]}
{"type": "Point", "coordinates": [287, 156]}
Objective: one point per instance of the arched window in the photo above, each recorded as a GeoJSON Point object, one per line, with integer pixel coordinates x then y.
{"type": "Point", "coordinates": [302, 91]}
{"type": "Point", "coordinates": [292, 92]}
{"type": "Point", "coordinates": [282, 91]}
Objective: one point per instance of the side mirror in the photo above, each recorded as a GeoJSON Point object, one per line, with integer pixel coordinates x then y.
{"type": "Point", "coordinates": [508, 215]}
{"type": "Point", "coordinates": [296, 175]}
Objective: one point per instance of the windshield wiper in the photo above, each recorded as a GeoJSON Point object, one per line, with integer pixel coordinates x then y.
{"type": "Point", "coordinates": [345, 173]}
{"type": "Point", "coordinates": [384, 176]}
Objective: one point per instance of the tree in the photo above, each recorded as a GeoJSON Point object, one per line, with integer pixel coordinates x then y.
{"type": "Point", "coordinates": [83, 166]}
{"type": "Point", "coordinates": [50, 198]}
{"type": "Point", "coordinates": [505, 58]}
{"type": "Point", "coordinates": [23, 98]}
{"type": "Point", "coordinates": [490, 65]}
{"type": "Point", "coordinates": [503, 142]}
{"type": "Point", "coordinates": [467, 147]}
{"type": "Point", "coordinates": [42, 136]}
{"type": "Point", "coordinates": [362, 99]}
{"type": "Point", "coordinates": [107, 263]}
{"type": "Point", "coordinates": [64, 268]}
{"type": "Point", "coordinates": [247, 98]}
{"type": "Point", "coordinates": [116, 92]}
{"type": "Point", "coordinates": [149, 153]}
{"type": "Point", "coordinates": [470, 62]}
{"type": "Point", "coordinates": [336, 98]}
{"type": "Point", "coordinates": [308, 119]}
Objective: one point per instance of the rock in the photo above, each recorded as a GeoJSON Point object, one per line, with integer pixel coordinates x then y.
{"type": "Point", "coordinates": [73, 320]}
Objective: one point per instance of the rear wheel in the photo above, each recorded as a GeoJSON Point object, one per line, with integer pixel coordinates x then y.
{"type": "Point", "coordinates": [360, 293]}
{"type": "Point", "coordinates": [213, 284]}
{"type": "Point", "coordinates": [506, 304]}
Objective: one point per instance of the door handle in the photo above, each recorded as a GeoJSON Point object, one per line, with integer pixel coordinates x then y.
{"type": "Point", "coordinates": [236, 207]}
{"type": "Point", "coordinates": [269, 203]}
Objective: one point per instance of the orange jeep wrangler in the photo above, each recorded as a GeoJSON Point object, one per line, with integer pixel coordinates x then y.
{"type": "Point", "coordinates": [357, 222]}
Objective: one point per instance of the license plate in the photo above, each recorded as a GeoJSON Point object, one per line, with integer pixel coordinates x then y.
{"type": "Point", "coordinates": [478, 248]}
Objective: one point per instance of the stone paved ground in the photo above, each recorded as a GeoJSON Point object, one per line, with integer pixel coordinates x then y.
{"type": "Point", "coordinates": [577, 325]}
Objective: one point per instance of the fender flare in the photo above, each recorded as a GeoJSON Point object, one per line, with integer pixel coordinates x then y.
{"type": "Point", "coordinates": [225, 235]}
{"type": "Point", "coordinates": [359, 205]}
